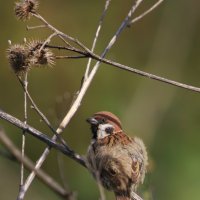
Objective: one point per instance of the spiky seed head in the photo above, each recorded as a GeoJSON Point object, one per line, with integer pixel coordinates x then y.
{"type": "Point", "coordinates": [17, 56]}
{"type": "Point", "coordinates": [38, 56]}
{"type": "Point", "coordinates": [24, 8]}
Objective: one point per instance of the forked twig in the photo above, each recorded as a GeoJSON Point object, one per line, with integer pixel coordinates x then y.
{"type": "Point", "coordinates": [39, 112]}
{"type": "Point", "coordinates": [49, 181]}
{"type": "Point", "coordinates": [131, 69]}
{"type": "Point", "coordinates": [138, 18]}
{"type": "Point", "coordinates": [96, 37]}
{"type": "Point", "coordinates": [83, 90]}
{"type": "Point", "coordinates": [88, 81]}
{"type": "Point", "coordinates": [42, 137]}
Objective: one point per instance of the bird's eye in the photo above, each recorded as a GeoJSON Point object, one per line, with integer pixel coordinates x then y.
{"type": "Point", "coordinates": [109, 130]}
{"type": "Point", "coordinates": [103, 121]}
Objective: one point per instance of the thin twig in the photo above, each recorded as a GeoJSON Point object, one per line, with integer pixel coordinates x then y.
{"type": "Point", "coordinates": [87, 82]}
{"type": "Point", "coordinates": [107, 3]}
{"type": "Point", "coordinates": [71, 57]}
{"type": "Point", "coordinates": [84, 88]}
{"type": "Point", "coordinates": [35, 27]}
{"type": "Point", "coordinates": [151, 76]}
{"type": "Point", "coordinates": [42, 137]}
{"type": "Point", "coordinates": [39, 112]}
{"type": "Point", "coordinates": [96, 37]}
{"type": "Point", "coordinates": [33, 173]}
{"type": "Point", "coordinates": [47, 150]}
{"type": "Point", "coordinates": [132, 69]}
{"type": "Point", "coordinates": [138, 18]}
{"type": "Point", "coordinates": [24, 132]}
{"type": "Point", "coordinates": [15, 152]}
{"type": "Point", "coordinates": [59, 33]}
{"type": "Point", "coordinates": [48, 40]}
{"type": "Point", "coordinates": [73, 49]}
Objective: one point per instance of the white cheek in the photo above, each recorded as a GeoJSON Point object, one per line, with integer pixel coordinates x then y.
{"type": "Point", "coordinates": [101, 133]}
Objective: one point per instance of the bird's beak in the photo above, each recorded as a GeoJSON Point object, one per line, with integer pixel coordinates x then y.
{"type": "Point", "coordinates": [92, 121]}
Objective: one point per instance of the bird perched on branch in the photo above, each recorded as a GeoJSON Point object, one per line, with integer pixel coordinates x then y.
{"type": "Point", "coordinates": [116, 160]}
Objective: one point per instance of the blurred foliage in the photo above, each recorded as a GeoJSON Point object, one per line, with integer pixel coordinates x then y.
{"type": "Point", "coordinates": [166, 43]}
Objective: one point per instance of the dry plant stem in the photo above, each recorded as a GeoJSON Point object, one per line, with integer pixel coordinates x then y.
{"type": "Point", "coordinates": [48, 40]}
{"type": "Point", "coordinates": [88, 81]}
{"type": "Point", "coordinates": [43, 117]}
{"type": "Point", "coordinates": [60, 34]}
{"type": "Point", "coordinates": [96, 37]}
{"type": "Point", "coordinates": [35, 27]}
{"type": "Point", "coordinates": [84, 88]}
{"type": "Point", "coordinates": [145, 13]}
{"type": "Point", "coordinates": [71, 57]}
{"type": "Point", "coordinates": [149, 75]}
{"type": "Point", "coordinates": [124, 67]}
{"type": "Point", "coordinates": [101, 190]}
{"type": "Point", "coordinates": [72, 49]}
{"type": "Point", "coordinates": [48, 124]}
{"type": "Point", "coordinates": [132, 69]}
{"type": "Point", "coordinates": [45, 178]}
{"type": "Point", "coordinates": [24, 132]}
{"type": "Point", "coordinates": [47, 150]}
{"type": "Point", "coordinates": [42, 137]}
{"type": "Point", "coordinates": [102, 195]}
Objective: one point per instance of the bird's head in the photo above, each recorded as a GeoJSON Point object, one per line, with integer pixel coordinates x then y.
{"type": "Point", "coordinates": [104, 124]}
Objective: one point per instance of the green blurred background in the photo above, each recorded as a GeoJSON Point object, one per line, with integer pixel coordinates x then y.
{"type": "Point", "coordinates": [165, 43]}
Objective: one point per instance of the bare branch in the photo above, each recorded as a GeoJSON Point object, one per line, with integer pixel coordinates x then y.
{"type": "Point", "coordinates": [149, 75]}
{"type": "Point", "coordinates": [84, 88]}
{"type": "Point", "coordinates": [42, 137]}
{"type": "Point", "coordinates": [96, 36]}
{"type": "Point", "coordinates": [39, 112]}
{"type": "Point", "coordinates": [35, 27]}
{"type": "Point", "coordinates": [133, 69]}
{"type": "Point", "coordinates": [49, 181]}
{"type": "Point", "coordinates": [71, 57]}
{"type": "Point", "coordinates": [138, 18]}
{"type": "Point", "coordinates": [88, 81]}
{"type": "Point", "coordinates": [24, 132]}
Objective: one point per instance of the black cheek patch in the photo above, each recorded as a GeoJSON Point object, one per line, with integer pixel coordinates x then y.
{"type": "Point", "coordinates": [109, 130]}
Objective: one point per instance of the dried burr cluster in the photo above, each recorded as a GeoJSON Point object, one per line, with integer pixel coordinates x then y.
{"type": "Point", "coordinates": [23, 57]}
{"type": "Point", "coordinates": [24, 9]}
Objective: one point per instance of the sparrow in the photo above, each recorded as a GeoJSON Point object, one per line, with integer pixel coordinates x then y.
{"type": "Point", "coordinates": [116, 160]}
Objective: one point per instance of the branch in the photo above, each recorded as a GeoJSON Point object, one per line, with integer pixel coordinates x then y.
{"type": "Point", "coordinates": [84, 88]}
{"type": "Point", "coordinates": [131, 69]}
{"type": "Point", "coordinates": [24, 132]}
{"type": "Point", "coordinates": [49, 181]}
{"type": "Point", "coordinates": [88, 81]}
{"type": "Point", "coordinates": [96, 37]}
{"type": "Point", "coordinates": [149, 75]}
{"type": "Point", "coordinates": [38, 111]}
{"type": "Point", "coordinates": [138, 18]}
{"type": "Point", "coordinates": [42, 137]}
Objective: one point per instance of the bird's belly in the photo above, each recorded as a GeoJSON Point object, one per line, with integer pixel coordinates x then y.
{"type": "Point", "coordinates": [114, 168]}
